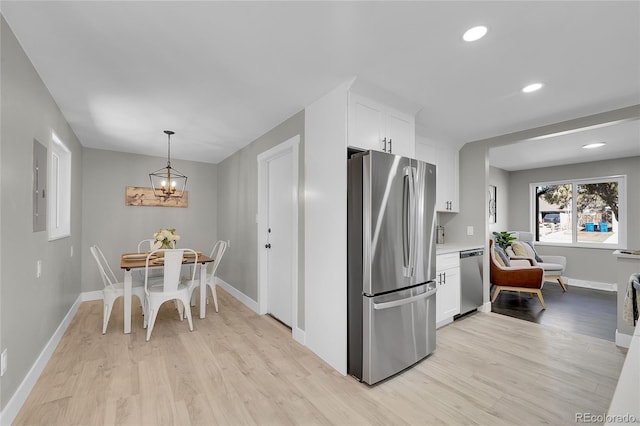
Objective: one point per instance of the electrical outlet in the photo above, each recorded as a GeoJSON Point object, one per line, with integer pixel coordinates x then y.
{"type": "Point", "coordinates": [38, 268]}
{"type": "Point", "coordinates": [71, 252]}
{"type": "Point", "coordinates": [469, 230]}
{"type": "Point", "coordinates": [228, 243]}
{"type": "Point", "coordinates": [3, 363]}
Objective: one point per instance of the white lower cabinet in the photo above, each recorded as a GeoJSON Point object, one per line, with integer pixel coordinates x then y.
{"type": "Point", "coordinates": [448, 285]}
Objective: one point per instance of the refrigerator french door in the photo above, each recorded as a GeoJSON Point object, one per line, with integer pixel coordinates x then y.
{"type": "Point", "coordinates": [391, 264]}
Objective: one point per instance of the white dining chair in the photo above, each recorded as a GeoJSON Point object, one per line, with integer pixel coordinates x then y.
{"type": "Point", "coordinates": [155, 275]}
{"type": "Point", "coordinates": [170, 289]}
{"type": "Point", "coordinates": [112, 287]}
{"type": "Point", "coordinates": [216, 253]}
{"type": "Point", "coordinates": [145, 245]}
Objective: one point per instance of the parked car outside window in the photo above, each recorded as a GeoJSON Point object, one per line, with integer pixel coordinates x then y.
{"type": "Point", "coordinates": [551, 218]}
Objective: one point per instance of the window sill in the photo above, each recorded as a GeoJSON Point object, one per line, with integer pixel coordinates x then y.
{"type": "Point", "coordinates": [582, 245]}
{"type": "Point", "coordinates": [59, 237]}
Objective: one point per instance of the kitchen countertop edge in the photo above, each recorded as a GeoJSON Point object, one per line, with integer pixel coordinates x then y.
{"type": "Point", "coordinates": [456, 247]}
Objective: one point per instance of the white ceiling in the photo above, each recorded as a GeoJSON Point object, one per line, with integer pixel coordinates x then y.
{"type": "Point", "coordinates": [220, 74]}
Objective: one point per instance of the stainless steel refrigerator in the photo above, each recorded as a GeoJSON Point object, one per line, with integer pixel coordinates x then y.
{"type": "Point", "coordinates": [391, 264]}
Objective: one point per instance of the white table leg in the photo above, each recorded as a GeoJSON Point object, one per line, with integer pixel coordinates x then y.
{"type": "Point", "coordinates": [203, 290]}
{"type": "Point", "coordinates": [127, 301]}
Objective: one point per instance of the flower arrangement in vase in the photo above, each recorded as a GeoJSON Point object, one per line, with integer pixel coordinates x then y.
{"type": "Point", "coordinates": [165, 239]}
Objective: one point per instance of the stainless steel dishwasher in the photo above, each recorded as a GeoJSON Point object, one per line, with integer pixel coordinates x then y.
{"type": "Point", "coordinates": [470, 280]}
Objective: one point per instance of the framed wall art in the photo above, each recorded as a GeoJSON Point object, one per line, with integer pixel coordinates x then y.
{"type": "Point", "coordinates": [492, 204]}
{"type": "Point", "coordinates": [141, 196]}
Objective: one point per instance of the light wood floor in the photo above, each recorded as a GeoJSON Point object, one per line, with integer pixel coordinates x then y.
{"type": "Point", "coordinates": [239, 368]}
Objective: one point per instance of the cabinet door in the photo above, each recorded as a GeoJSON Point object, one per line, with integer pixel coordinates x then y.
{"type": "Point", "coordinates": [426, 151]}
{"type": "Point", "coordinates": [366, 123]}
{"type": "Point", "coordinates": [447, 179]}
{"type": "Point", "coordinates": [448, 294]}
{"type": "Point", "coordinates": [400, 131]}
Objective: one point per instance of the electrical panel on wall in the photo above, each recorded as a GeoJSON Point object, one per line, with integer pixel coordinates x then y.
{"type": "Point", "coordinates": [39, 187]}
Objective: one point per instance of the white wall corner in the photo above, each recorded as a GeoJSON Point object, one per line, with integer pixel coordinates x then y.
{"type": "Point", "coordinates": [11, 410]}
{"type": "Point", "coordinates": [299, 336]}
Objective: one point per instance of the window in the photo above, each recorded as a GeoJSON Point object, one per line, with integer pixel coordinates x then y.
{"type": "Point", "coordinates": [59, 207]}
{"type": "Point", "coordinates": [581, 212]}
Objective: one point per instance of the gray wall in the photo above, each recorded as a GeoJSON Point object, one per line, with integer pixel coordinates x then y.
{"type": "Point", "coordinates": [117, 228]}
{"type": "Point", "coordinates": [582, 263]}
{"type": "Point", "coordinates": [238, 206]}
{"type": "Point", "coordinates": [500, 179]}
{"type": "Point", "coordinates": [474, 198]}
{"type": "Point", "coordinates": [31, 308]}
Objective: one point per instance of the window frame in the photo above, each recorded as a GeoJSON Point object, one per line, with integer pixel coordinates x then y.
{"type": "Point", "coordinates": [622, 211]}
{"type": "Point", "coordinates": [59, 184]}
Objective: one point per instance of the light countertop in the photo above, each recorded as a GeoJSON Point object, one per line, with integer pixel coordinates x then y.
{"type": "Point", "coordinates": [456, 247]}
{"type": "Point", "coordinates": [629, 254]}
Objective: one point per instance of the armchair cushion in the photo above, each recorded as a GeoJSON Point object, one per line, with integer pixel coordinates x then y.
{"type": "Point", "coordinates": [502, 257]}
{"type": "Point", "coordinates": [525, 249]}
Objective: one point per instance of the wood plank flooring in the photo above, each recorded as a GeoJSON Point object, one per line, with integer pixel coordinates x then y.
{"type": "Point", "coordinates": [239, 368]}
{"type": "Point", "coordinates": [581, 310]}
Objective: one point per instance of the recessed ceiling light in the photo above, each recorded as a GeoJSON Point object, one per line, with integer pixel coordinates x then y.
{"type": "Point", "coordinates": [532, 87]}
{"type": "Point", "coordinates": [594, 145]}
{"type": "Point", "coordinates": [475, 33]}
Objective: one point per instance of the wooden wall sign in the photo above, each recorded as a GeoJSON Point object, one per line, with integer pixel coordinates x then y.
{"type": "Point", "coordinates": [141, 196]}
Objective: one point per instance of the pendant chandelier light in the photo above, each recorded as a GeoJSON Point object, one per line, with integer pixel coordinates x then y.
{"type": "Point", "coordinates": [168, 182]}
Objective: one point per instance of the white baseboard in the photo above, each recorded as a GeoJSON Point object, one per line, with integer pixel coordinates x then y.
{"type": "Point", "coordinates": [246, 300]}
{"type": "Point", "coordinates": [11, 410]}
{"type": "Point", "coordinates": [299, 336]}
{"type": "Point", "coordinates": [88, 296]}
{"type": "Point", "coordinates": [444, 322]}
{"type": "Point", "coordinates": [591, 284]}
{"type": "Point", "coordinates": [486, 307]}
{"type": "Point", "coordinates": [623, 340]}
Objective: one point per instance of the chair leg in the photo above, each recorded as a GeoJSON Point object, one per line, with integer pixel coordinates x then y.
{"type": "Point", "coordinates": [181, 309]}
{"type": "Point", "coordinates": [564, 287]}
{"type": "Point", "coordinates": [215, 295]}
{"type": "Point", "coordinates": [106, 315]}
{"type": "Point", "coordinates": [496, 293]}
{"type": "Point", "coordinates": [539, 293]}
{"type": "Point", "coordinates": [153, 313]}
{"type": "Point", "coordinates": [188, 314]}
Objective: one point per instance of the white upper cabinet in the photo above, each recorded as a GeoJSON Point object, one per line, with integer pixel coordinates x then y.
{"type": "Point", "coordinates": [373, 125]}
{"type": "Point", "coordinates": [447, 175]}
{"type": "Point", "coordinates": [445, 158]}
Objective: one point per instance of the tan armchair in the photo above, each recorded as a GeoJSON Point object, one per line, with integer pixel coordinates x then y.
{"type": "Point", "coordinates": [520, 275]}
{"type": "Point", "coordinates": [553, 266]}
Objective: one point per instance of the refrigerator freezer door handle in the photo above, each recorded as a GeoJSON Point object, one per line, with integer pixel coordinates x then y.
{"type": "Point", "coordinates": [413, 217]}
{"type": "Point", "coordinates": [406, 230]}
{"type": "Point", "coordinates": [409, 222]}
{"type": "Point", "coordinates": [400, 302]}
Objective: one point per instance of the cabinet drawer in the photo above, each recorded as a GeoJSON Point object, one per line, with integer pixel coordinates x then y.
{"type": "Point", "coordinates": [448, 260]}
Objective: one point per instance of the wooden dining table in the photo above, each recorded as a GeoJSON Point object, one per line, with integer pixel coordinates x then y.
{"type": "Point", "coordinates": [132, 261]}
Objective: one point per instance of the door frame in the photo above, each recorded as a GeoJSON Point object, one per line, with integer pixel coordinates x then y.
{"type": "Point", "coordinates": [289, 146]}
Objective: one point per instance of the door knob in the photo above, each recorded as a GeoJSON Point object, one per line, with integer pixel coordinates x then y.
{"type": "Point", "coordinates": [267, 246]}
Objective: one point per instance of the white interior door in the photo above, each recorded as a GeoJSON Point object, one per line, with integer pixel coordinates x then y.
{"type": "Point", "coordinates": [280, 200]}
